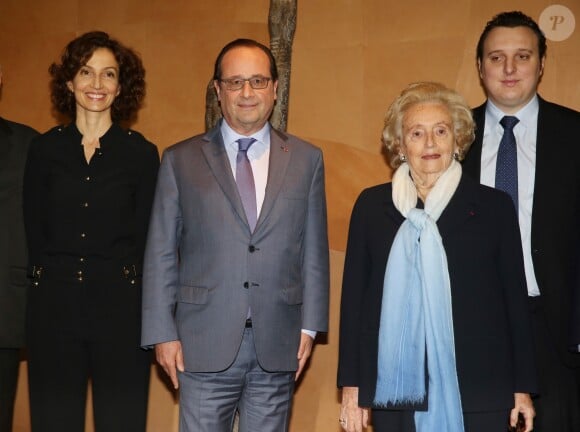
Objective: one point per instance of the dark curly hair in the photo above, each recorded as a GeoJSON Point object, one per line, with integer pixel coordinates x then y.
{"type": "Point", "coordinates": [512, 19]}
{"type": "Point", "coordinates": [77, 53]}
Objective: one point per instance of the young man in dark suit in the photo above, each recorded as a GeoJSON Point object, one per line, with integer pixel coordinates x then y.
{"type": "Point", "coordinates": [531, 149]}
{"type": "Point", "coordinates": [14, 141]}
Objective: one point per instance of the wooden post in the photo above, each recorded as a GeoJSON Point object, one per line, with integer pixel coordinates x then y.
{"type": "Point", "coordinates": [281, 25]}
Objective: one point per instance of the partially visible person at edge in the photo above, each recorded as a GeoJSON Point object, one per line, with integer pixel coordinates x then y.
{"type": "Point", "coordinates": [434, 328]}
{"type": "Point", "coordinates": [88, 191]}
{"type": "Point", "coordinates": [511, 54]}
{"type": "Point", "coordinates": [236, 277]}
{"type": "Point", "coordinates": [14, 141]}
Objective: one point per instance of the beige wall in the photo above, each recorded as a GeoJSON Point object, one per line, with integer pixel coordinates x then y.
{"type": "Point", "coordinates": [351, 57]}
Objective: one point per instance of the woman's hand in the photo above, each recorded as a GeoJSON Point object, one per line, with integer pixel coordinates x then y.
{"type": "Point", "coordinates": [523, 405]}
{"type": "Point", "coordinates": [352, 417]}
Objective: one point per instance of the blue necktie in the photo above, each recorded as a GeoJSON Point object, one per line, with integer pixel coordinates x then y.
{"type": "Point", "coordinates": [245, 180]}
{"type": "Point", "coordinates": [506, 168]}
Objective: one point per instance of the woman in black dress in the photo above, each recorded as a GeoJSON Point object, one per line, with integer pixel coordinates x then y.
{"type": "Point", "coordinates": [88, 191]}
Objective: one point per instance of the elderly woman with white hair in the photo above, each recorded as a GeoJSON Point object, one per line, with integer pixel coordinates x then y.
{"type": "Point", "coordinates": [434, 332]}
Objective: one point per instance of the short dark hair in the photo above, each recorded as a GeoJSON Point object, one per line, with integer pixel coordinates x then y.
{"type": "Point", "coordinates": [246, 43]}
{"type": "Point", "coordinates": [77, 53]}
{"type": "Point", "coordinates": [512, 19]}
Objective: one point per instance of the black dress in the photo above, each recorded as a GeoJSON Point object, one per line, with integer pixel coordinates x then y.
{"type": "Point", "coordinates": [86, 225]}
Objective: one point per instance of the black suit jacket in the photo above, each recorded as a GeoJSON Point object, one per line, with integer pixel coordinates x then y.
{"type": "Point", "coordinates": [14, 141]}
{"type": "Point", "coordinates": [555, 218]}
{"type": "Point", "coordinates": [493, 341]}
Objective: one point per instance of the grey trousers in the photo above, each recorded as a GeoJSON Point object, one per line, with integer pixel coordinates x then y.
{"type": "Point", "coordinates": [208, 401]}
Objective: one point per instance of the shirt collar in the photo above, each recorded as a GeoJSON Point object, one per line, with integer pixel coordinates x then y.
{"type": "Point", "coordinates": [230, 136]}
{"type": "Point", "coordinates": [112, 136]}
{"type": "Point", "coordinates": [527, 116]}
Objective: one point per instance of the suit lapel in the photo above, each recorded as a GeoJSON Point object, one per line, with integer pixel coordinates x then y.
{"type": "Point", "coordinates": [390, 210]}
{"type": "Point", "coordinates": [280, 154]}
{"type": "Point", "coordinates": [5, 140]}
{"type": "Point", "coordinates": [472, 162]}
{"type": "Point", "coordinates": [5, 128]}
{"type": "Point", "coordinates": [461, 208]}
{"type": "Point", "coordinates": [547, 160]}
{"type": "Point", "coordinates": [217, 159]}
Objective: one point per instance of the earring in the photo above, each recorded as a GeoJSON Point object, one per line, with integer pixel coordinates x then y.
{"type": "Point", "coordinates": [403, 158]}
{"type": "Point", "coordinates": [456, 156]}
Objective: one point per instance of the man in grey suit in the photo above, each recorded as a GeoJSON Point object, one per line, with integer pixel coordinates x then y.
{"type": "Point", "coordinates": [14, 141]}
{"type": "Point", "coordinates": [236, 267]}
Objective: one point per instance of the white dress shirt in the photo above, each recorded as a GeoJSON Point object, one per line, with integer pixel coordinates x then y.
{"type": "Point", "coordinates": [525, 132]}
{"type": "Point", "coordinates": [259, 156]}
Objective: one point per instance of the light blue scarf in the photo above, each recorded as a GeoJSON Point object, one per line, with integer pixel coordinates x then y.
{"type": "Point", "coordinates": [416, 310]}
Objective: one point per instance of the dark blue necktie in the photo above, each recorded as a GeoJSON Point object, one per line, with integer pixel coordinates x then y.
{"type": "Point", "coordinates": [245, 180]}
{"type": "Point", "coordinates": [506, 168]}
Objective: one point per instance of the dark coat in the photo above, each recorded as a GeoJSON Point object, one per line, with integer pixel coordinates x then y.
{"type": "Point", "coordinates": [555, 218]}
{"type": "Point", "coordinates": [14, 141]}
{"type": "Point", "coordinates": [493, 340]}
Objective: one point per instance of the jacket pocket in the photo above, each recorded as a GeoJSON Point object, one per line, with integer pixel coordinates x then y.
{"type": "Point", "coordinates": [292, 296]}
{"type": "Point", "coordinates": [193, 294]}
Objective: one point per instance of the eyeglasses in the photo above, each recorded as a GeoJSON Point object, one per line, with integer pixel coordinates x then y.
{"type": "Point", "coordinates": [257, 82]}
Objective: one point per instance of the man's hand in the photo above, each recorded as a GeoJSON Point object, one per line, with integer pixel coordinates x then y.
{"type": "Point", "coordinates": [304, 351]}
{"type": "Point", "coordinates": [523, 404]}
{"type": "Point", "coordinates": [170, 357]}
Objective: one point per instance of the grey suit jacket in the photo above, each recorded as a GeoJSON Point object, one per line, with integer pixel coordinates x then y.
{"type": "Point", "coordinates": [204, 268]}
{"type": "Point", "coordinates": [14, 141]}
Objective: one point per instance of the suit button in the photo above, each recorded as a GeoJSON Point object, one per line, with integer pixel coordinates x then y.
{"type": "Point", "coordinates": [246, 284]}
{"type": "Point", "coordinates": [252, 248]}
{"type": "Point", "coordinates": [83, 235]}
